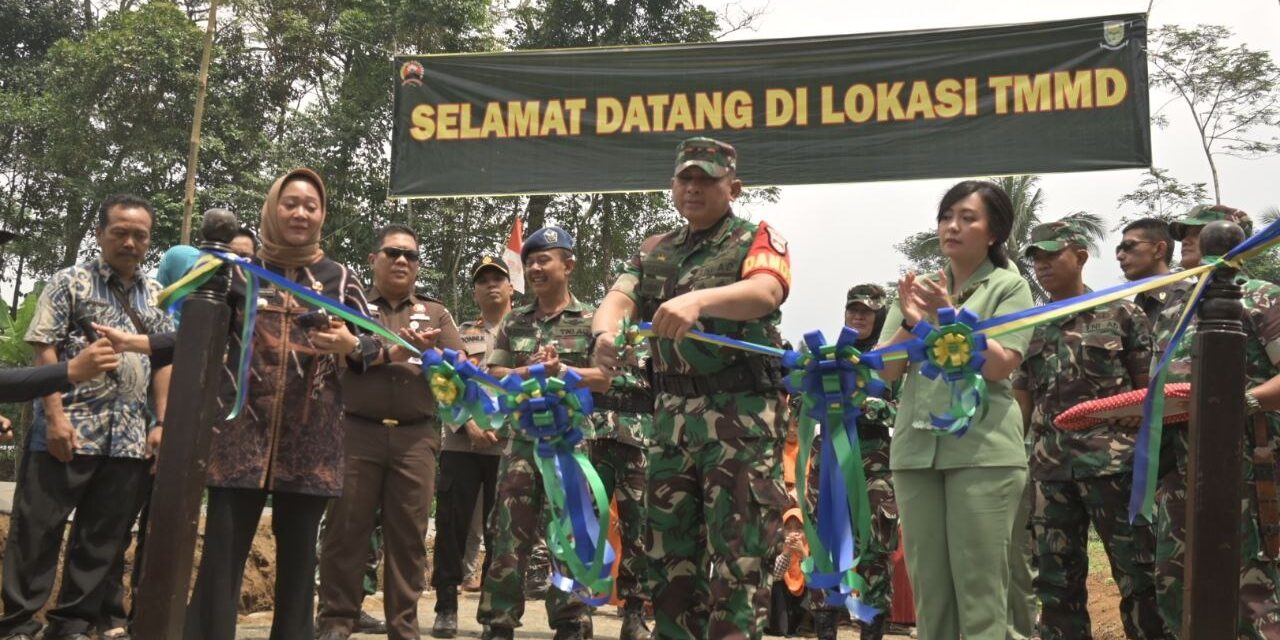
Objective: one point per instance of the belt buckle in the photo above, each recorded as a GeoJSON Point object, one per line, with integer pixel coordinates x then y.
{"type": "Point", "coordinates": [390, 423]}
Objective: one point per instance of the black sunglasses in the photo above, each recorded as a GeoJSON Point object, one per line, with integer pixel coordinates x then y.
{"type": "Point", "coordinates": [1129, 245]}
{"type": "Point", "coordinates": [396, 253]}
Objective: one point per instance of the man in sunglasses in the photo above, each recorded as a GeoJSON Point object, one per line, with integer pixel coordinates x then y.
{"type": "Point", "coordinates": [1147, 250]}
{"type": "Point", "coordinates": [392, 440]}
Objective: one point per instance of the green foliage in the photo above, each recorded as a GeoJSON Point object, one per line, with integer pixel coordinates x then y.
{"type": "Point", "coordinates": [1231, 92]}
{"type": "Point", "coordinates": [14, 350]}
{"type": "Point", "coordinates": [1162, 196]}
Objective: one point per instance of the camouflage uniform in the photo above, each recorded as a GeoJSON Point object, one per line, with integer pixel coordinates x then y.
{"type": "Point", "coordinates": [1259, 578]}
{"type": "Point", "coordinates": [715, 492]}
{"type": "Point", "coordinates": [619, 454]}
{"type": "Point", "coordinates": [518, 519]}
{"type": "Point", "coordinates": [1084, 477]}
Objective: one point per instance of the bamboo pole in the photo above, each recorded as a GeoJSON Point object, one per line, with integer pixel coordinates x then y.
{"type": "Point", "coordinates": [193, 155]}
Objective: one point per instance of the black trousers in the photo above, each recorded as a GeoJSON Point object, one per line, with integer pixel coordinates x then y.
{"type": "Point", "coordinates": [230, 523]}
{"type": "Point", "coordinates": [105, 494]}
{"type": "Point", "coordinates": [114, 613]}
{"type": "Point", "coordinates": [464, 477]}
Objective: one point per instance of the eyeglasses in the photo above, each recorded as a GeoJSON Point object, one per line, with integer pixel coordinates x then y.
{"type": "Point", "coordinates": [396, 253]}
{"type": "Point", "coordinates": [1130, 245]}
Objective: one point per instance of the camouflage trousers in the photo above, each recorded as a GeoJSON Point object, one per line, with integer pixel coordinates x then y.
{"type": "Point", "coordinates": [1060, 518]}
{"type": "Point", "coordinates": [515, 525]}
{"type": "Point", "coordinates": [624, 470]}
{"type": "Point", "coordinates": [876, 556]}
{"type": "Point", "coordinates": [714, 518]}
{"type": "Point", "coordinates": [1259, 579]}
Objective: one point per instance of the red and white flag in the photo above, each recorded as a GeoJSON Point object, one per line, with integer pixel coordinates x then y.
{"type": "Point", "coordinates": [511, 255]}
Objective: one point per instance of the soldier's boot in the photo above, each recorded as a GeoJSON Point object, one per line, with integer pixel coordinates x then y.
{"type": "Point", "coordinates": [824, 624]}
{"type": "Point", "coordinates": [494, 632]}
{"type": "Point", "coordinates": [873, 630]}
{"type": "Point", "coordinates": [572, 631]}
{"type": "Point", "coordinates": [633, 627]}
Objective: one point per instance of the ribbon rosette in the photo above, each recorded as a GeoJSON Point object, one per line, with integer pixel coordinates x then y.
{"type": "Point", "coordinates": [553, 411]}
{"type": "Point", "coordinates": [835, 382]}
{"type": "Point", "coordinates": [456, 389]}
{"type": "Point", "coordinates": [953, 350]}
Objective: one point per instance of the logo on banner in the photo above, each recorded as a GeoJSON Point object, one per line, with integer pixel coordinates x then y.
{"type": "Point", "coordinates": [1113, 35]}
{"type": "Point", "coordinates": [411, 72]}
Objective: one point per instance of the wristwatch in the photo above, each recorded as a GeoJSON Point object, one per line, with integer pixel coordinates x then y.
{"type": "Point", "coordinates": [1251, 404]}
{"type": "Point", "coordinates": [357, 350]}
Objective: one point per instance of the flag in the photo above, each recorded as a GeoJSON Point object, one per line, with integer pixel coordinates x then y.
{"type": "Point", "coordinates": [511, 255]}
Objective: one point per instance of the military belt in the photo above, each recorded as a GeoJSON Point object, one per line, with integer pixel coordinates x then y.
{"type": "Point", "coordinates": [638, 402]}
{"type": "Point", "coordinates": [394, 423]}
{"type": "Point", "coordinates": [733, 380]}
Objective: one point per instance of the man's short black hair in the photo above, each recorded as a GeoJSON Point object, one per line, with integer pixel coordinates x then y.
{"type": "Point", "coordinates": [126, 200]}
{"type": "Point", "coordinates": [390, 229]}
{"type": "Point", "coordinates": [248, 233]}
{"type": "Point", "coordinates": [1154, 230]}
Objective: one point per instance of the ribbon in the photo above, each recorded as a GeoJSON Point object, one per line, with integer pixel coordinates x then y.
{"type": "Point", "coordinates": [835, 381]}
{"type": "Point", "coordinates": [553, 411]}
{"type": "Point", "coordinates": [952, 350]}
{"type": "Point", "coordinates": [462, 397]}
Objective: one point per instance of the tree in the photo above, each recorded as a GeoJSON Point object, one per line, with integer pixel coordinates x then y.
{"type": "Point", "coordinates": [1232, 93]}
{"type": "Point", "coordinates": [1162, 196]}
{"type": "Point", "coordinates": [924, 252]}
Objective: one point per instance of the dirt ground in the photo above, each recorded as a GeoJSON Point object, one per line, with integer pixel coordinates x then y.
{"type": "Point", "coordinates": [259, 576]}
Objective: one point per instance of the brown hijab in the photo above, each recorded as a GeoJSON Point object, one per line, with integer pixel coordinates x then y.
{"type": "Point", "coordinates": [273, 249]}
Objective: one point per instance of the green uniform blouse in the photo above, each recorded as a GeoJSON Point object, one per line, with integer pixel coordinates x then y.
{"type": "Point", "coordinates": [995, 438]}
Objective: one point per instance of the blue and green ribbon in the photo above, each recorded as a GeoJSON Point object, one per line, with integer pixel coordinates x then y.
{"type": "Point", "coordinates": [835, 381]}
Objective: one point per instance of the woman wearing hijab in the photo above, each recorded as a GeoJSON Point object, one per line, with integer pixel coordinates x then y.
{"type": "Point", "coordinates": [287, 442]}
{"type": "Point", "coordinates": [957, 496]}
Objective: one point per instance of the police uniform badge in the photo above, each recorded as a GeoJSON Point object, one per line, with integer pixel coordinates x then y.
{"type": "Point", "coordinates": [551, 236]}
{"type": "Point", "coordinates": [419, 317]}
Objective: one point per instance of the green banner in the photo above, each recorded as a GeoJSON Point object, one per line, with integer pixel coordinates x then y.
{"type": "Point", "coordinates": [1032, 98]}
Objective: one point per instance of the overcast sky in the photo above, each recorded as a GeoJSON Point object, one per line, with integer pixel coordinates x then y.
{"type": "Point", "coordinates": [837, 241]}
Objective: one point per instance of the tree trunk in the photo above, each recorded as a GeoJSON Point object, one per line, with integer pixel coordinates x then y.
{"type": "Point", "coordinates": [17, 286]}
{"type": "Point", "coordinates": [536, 213]}
{"type": "Point", "coordinates": [1213, 169]}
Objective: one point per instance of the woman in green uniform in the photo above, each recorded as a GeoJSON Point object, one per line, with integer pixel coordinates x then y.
{"type": "Point", "coordinates": [957, 496]}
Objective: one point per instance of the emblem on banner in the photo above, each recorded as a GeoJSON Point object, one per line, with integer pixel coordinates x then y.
{"type": "Point", "coordinates": [411, 72]}
{"type": "Point", "coordinates": [1113, 34]}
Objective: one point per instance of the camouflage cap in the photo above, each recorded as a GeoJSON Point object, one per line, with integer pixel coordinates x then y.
{"type": "Point", "coordinates": [1203, 214]}
{"type": "Point", "coordinates": [489, 262]}
{"type": "Point", "coordinates": [551, 237]}
{"type": "Point", "coordinates": [871, 295]}
{"type": "Point", "coordinates": [1056, 236]}
{"type": "Point", "coordinates": [716, 158]}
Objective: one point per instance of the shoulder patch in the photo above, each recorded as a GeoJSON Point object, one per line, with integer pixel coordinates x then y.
{"type": "Point", "coordinates": [776, 240]}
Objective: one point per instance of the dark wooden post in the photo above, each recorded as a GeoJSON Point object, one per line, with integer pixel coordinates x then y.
{"type": "Point", "coordinates": [1211, 592]}
{"type": "Point", "coordinates": [184, 453]}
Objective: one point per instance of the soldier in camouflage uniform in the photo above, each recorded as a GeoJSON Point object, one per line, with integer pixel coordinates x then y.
{"type": "Point", "coordinates": [1146, 250]}
{"type": "Point", "coordinates": [715, 488]}
{"type": "Point", "coordinates": [619, 453]}
{"type": "Point", "coordinates": [555, 331]}
{"type": "Point", "coordinates": [865, 311]}
{"type": "Point", "coordinates": [1259, 578]}
{"type": "Point", "coordinates": [1083, 477]}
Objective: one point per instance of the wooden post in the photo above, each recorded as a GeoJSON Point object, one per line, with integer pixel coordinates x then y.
{"type": "Point", "coordinates": [1211, 591]}
{"type": "Point", "coordinates": [184, 453]}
